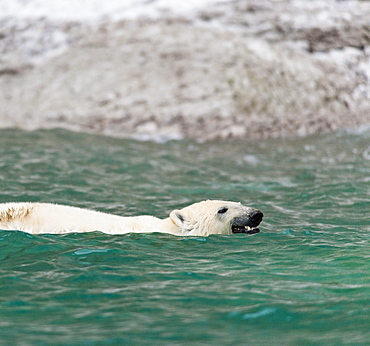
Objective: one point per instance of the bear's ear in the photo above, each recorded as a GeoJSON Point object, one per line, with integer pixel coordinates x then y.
{"type": "Point", "coordinates": [178, 217]}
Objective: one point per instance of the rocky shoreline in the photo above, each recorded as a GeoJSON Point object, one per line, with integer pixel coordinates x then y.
{"type": "Point", "coordinates": [239, 69]}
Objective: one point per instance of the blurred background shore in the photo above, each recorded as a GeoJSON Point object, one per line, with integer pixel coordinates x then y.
{"type": "Point", "coordinates": [204, 70]}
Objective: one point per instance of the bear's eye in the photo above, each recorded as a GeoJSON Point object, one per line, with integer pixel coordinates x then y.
{"type": "Point", "coordinates": [222, 210]}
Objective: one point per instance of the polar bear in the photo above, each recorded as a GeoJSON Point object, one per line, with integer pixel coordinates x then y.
{"type": "Point", "coordinates": [198, 219]}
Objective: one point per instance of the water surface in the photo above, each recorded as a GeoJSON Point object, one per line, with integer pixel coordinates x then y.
{"type": "Point", "coordinates": [303, 280]}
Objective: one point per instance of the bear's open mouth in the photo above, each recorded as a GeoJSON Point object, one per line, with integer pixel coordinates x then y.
{"type": "Point", "coordinates": [248, 224]}
{"type": "Point", "coordinates": [244, 229]}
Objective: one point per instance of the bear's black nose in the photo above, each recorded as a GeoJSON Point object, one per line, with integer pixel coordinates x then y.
{"type": "Point", "coordinates": [256, 216]}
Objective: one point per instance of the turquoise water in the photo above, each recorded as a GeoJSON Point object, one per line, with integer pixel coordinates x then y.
{"type": "Point", "coordinates": [304, 280]}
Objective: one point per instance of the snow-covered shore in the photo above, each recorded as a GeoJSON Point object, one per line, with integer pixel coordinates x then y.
{"type": "Point", "coordinates": [206, 69]}
{"type": "Point", "coordinates": [95, 10]}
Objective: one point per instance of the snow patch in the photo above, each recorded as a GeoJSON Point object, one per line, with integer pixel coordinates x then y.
{"type": "Point", "coordinates": [89, 10]}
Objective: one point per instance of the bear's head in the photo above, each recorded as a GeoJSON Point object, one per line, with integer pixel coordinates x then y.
{"type": "Point", "coordinates": [216, 217]}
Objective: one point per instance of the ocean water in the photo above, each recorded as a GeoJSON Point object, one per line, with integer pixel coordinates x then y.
{"type": "Point", "coordinates": [303, 280]}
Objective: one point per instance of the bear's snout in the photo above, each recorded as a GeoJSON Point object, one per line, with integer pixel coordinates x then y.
{"type": "Point", "coordinates": [247, 224]}
{"type": "Point", "coordinates": [255, 217]}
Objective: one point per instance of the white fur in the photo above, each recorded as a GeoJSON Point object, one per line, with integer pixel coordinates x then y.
{"type": "Point", "coordinates": [199, 219]}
